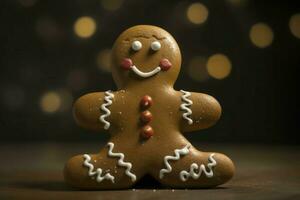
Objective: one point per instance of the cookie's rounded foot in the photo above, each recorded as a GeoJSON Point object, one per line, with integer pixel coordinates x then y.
{"type": "Point", "coordinates": [93, 172]}
{"type": "Point", "coordinates": [224, 170]}
{"type": "Point", "coordinates": [198, 170]}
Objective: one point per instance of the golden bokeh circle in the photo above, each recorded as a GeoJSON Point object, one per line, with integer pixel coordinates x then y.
{"type": "Point", "coordinates": [85, 27]}
{"type": "Point", "coordinates": [294, 25]}
{"type": "Point", "coordinates": [197, 13]}
{"type": "Point", "coordinates": [111, 5]}
{"type": "Point", "coordinates": [261, 35]}
{"type": "Point", "coordinates": [50, 102]}
{"type": "Point", "coordinates": [103, 60]}
{"type": "Point", "coordinates": [218, 66]}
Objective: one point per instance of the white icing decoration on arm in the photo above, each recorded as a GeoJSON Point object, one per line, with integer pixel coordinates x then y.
{"type": "Point", "coordinates": [121, 161]}
{"type": "Point", "coordinates": [98, 171]}
{"type": "Point", "coordinates": [178, 153]}
{"type": "Point", "coordinates": [184, 175]}
{"type": "Point", "coordinates": [145, 74]}
{"type": "Point", "coordinates": [108, 101]}
{"type": "Point", "coordinates": [185, 106]}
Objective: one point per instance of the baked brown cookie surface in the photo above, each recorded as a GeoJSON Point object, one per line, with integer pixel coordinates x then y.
{"type": "Point", "coordinates": [146, 118]}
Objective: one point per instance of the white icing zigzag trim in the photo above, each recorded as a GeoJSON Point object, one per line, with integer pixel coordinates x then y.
{"type": "Point", "coordinates": [98, 171]}
{"type": "Point", "coordinates": [145, 74]}
{"type": "Point", "coordinates": [184, 175]}
{"type": "Point", "coordinates": [108, 101]}
{"type": "Point", "coordinates": [184, 106]}
{"type": "Point", "coordinates": [121, 161]}
{"type": "Point", "coordinates": [178, 152]}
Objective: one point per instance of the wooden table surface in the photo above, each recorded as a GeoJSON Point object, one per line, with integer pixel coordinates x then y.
{"type": "Point", "coordinates": [34, 171]}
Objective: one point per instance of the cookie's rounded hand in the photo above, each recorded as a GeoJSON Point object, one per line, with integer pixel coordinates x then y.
{"type": "Point", "coordinates": [206, 111]}
{"type": "Point", "coordinates": [86, 111]}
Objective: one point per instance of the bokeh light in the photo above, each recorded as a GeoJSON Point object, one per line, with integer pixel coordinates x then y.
{"type": "Point", "coordinates": [54, 101]}
{"type": "Point", "coordinates": [261, 35]}
{"type": "Point", "coordinates": [197, 69]}
{"type": "Point", "coordinates": [77, 79]}
{"type": "Point", "coordinates": [294, 25]}
{"type": "Point", "coordinates": [50, 102]}
{"type": "Point", "coordinates": [85, 27]}
{"type": "Point", "coordinates": [197, 13]}
{"type": "Point", "coordinates": [103, 60]}
{"type": "Point", "coordinates": [111, 5]}
{"type": "Point", "coordinates": [218, 66]}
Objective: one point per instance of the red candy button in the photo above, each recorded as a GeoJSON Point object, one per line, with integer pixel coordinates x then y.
{"type": "Point", "coordinates": [165, 64]}
{"type": "Point", "coordinates": [146, 101]}
{"type": "Point", "coordinates": [147, 132]}
{"type": "Point", "coordinates": [146, 116]}
{"type": "Point", "coordinates": [126, 63]}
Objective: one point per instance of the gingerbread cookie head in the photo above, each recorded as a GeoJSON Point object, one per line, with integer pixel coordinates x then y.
{"type": "Point", "coordinates": [145, 54]}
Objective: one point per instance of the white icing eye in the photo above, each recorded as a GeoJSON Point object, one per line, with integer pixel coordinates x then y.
{"type": "Point", "coordinates": [136, 45]}
{"type": "Point", "coordinates": [155, 46]}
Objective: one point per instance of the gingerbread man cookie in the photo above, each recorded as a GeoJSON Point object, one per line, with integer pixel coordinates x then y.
{"type": "Point", "coordinates": [146, 118]}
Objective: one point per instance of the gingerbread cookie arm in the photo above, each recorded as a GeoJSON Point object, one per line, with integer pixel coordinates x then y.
{"type": "Point", "coordinates": [92, 111]}
{"type": "Point", "coordinates": [198, 111]}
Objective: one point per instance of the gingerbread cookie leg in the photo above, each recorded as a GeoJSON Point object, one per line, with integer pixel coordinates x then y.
{"type": "Point", "coordinates": [189, 168]}
{"type": "Point", "coordinates": [106, 170]}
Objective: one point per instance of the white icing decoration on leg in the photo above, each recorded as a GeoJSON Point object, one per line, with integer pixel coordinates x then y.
{"type": "Point", "coordinates": [121, 161]}
{"type": "Point", "coordinates": [98, 171]}
{"type": "Point", "coordinates": [185, 106]}
{"type": "Point", "coordinates": [145, 74]}
{"type": "Point", "coordinates": [178, 152]}
{"type": "Point", "coordinates": [108, 101]}
{"type": "Point", "coordinates": [184, 175]}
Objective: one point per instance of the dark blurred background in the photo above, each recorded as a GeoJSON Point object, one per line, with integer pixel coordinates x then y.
{"type": "Point", "coordinates": [243, 52]}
